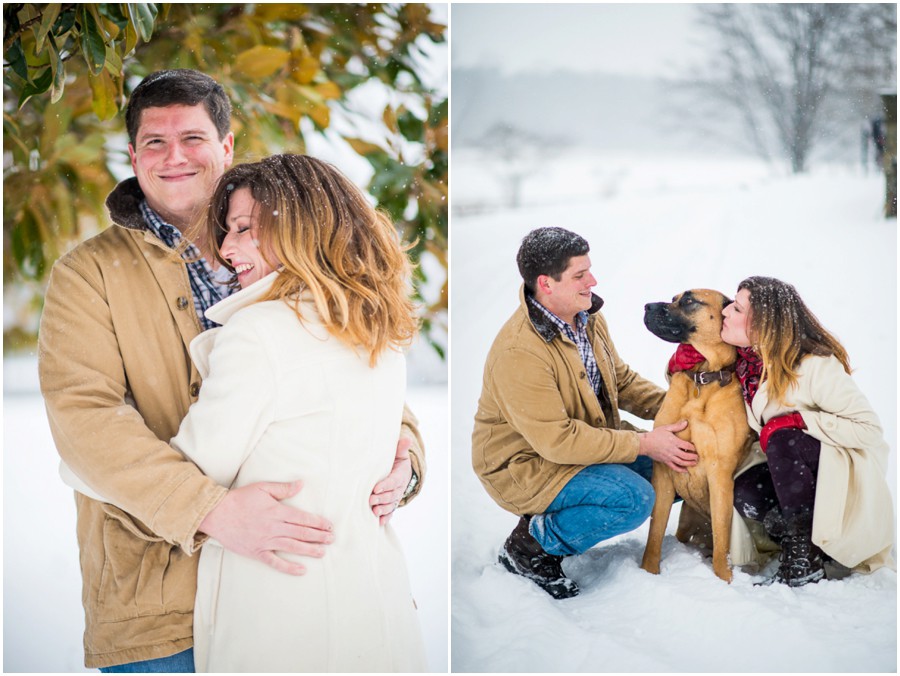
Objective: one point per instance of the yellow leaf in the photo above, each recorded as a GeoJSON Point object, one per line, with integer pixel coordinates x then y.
{"type": "Point", "coordinates": [321, 115]}
{"type": "Point", "coordinates": [328, 90]}
{"type": "Point", "coordinates": [104, 95]}
{"type": "Point", "coordinates": [304, 69]}
{"type": "Point", "coordinates": [131, 38]}
{"type": "Point", "coordinates": [362, 147]}
{"type": "Point", "coordinates": [280, 11]}
{"type": "Point", "coordinates": [286, 110]}
{"type": "Point", "coordinates": [260, 61]}
{"type": "Point", "coordinates": [390, 118]}
{"type": "Point", "coordinates": [311, 94]}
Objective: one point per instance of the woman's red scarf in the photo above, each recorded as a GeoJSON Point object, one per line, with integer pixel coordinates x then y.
{"type": "Point", "coordinates": [748, 367]}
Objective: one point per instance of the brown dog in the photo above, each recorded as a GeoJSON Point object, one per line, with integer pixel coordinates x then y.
{"type": "Point", "coordinates": [709, 398]}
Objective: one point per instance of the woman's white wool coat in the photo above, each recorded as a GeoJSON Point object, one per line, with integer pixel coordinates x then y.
{"type": "Point", "coordinates": [853, 514]}
{"type": "Point", "coordinates": [283, 400]}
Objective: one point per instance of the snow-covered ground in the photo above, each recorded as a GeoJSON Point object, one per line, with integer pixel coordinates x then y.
{"type": "Point", "coordinates": [42, 615]}
{"type": "Point", "coordinates": [658, 226]}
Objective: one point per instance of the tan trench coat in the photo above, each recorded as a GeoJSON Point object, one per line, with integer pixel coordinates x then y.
{"type": "Point", "coordinates": [117, 380]}
{"type": "Point", "coordinates": [539, 422]}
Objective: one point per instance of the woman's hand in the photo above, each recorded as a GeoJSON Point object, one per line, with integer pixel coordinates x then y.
{"type": "Point", "coordinates": [389, 491]}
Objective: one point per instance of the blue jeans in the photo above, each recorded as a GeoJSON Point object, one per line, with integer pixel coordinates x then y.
{"type": "Point", "coordinates": [180, 663]}
{"type": "Point", "coordinates": [598, 503]}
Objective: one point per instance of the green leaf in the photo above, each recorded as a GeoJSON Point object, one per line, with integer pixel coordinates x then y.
{"type": "Point", "coordinates": [50, 15]}
{"type": "Point", "coordinates": [27, 248]}
{"type": "Point", "coordinates": [15, 57]}
{"type": "Point", "coordinates": [58, 69]}
{"type": "Point", "coordinates": [143, 18]}
{"type": "Point", "coordinates": [37, 86]}
{"type": "Point", "coordinates": [412, 128]}
{"type": "Point", "coordinates": [113, 12]}
{"type": "Point", "coordinates": [439, 113]}
{"type": "Point", "coordinates": [114, 63]}
{"type": "Point", "coordinates": [64, 23]}
{"type": "Point", "coordinates": [92, 43]}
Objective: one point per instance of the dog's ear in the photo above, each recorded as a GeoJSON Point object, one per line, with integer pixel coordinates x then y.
{"type": "Point", "coordinates": [726, 301]}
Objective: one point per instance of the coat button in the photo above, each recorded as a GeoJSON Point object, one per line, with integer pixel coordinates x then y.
{"type": "Point", "coordinates": [181, 303]}
{"type": "Point", "coordinates": [582, 375]}
{"type": "Point", "coordinates": [195, 389]}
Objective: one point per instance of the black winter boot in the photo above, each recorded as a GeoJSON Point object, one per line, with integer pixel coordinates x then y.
{"type": "Point", "coordinates": [774, 524]}
{"type": "Point", "coordinates": [800, 562]}
{"type": "Point", "coordinates": [523, 555]}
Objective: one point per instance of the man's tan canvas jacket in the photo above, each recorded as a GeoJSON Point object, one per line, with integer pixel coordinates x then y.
{"type": "Point", "coordinates": [539, 422]}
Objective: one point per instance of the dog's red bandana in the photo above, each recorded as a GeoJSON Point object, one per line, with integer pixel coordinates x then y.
{"type": "Point", "coordinates": [685, 358]}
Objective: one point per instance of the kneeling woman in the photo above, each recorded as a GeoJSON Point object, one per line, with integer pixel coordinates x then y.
{"type": "Point", "coordinates": [305, 380]}
{"type": "Point", "coordinates": [822, 490]}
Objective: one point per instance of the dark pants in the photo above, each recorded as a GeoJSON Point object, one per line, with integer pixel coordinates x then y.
{"type": "Point", "coordinates": [787, 481]}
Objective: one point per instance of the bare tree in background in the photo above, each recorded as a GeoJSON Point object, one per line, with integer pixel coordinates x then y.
{"type": "Point", "coordinates": [520, 153]}
{"type": "Point", "coordinates": [792, 73]}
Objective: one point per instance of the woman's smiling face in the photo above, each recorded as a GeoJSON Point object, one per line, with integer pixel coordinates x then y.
{"type": "Point", "coordinates": [241, 245]}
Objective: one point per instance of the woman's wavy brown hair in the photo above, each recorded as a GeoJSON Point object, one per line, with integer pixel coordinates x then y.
{"type": "Point", "coordinates": [329, 240]}
{"type": "Point", "coordinates": [783, 331]}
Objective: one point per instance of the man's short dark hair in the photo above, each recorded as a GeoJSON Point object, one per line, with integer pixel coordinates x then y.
{"type": "Point", "coordinates": [547, 251]}
{"type": "Point", "coordinates": [180, 86]}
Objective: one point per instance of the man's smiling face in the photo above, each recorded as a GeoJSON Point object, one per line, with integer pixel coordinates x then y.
{"type": "Point", "coordinates": [177, 157]}
{"type": "Point", "coordinates": [571, 294]}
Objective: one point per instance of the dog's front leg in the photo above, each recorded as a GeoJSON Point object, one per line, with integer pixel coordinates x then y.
{"type": "Point", "coordinates": [721, 500]}
{"type": "Point", "coordinates": [664, 489]}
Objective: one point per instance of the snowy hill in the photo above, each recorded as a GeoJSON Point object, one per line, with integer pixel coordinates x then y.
{"type": "Point", "coordinates": [666, 225]}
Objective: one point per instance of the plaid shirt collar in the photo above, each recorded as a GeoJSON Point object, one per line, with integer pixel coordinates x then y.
{"type": "Point", "coordinates": [580, 337]}
{"type": "Point", "coordinates": [208, 287]}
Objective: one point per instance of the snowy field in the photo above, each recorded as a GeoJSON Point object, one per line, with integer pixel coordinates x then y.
{"type": "Point", "coordinates": [42, 616]}
{"type": "Point", "coordinates": [658, 226]}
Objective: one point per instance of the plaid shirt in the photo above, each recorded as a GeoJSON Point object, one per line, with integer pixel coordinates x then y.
{"type": "Point", "coordinates": [579, 336]}
{"type": "Point", "coordinates": [207, 286]}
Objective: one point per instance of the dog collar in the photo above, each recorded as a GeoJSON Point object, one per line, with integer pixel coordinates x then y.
{"type": "Point", "coordinates": [708, 377]}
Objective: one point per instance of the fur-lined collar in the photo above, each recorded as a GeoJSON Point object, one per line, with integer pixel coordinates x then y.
{"type": "Point", "coordinates": [124, 203]}
{"type": "Point", "coordinates": [541, 323]}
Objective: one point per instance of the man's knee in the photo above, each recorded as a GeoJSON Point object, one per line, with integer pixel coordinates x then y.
{"type": "Point", "coordinates": [641, 502]}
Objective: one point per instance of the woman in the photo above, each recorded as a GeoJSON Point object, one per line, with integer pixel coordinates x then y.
{"type": "Point", "coordinates": [304, 379]}
{"type": "Point", "coordinates": [821, 490]}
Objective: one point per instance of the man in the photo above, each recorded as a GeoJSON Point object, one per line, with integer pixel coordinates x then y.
{"type": "Point", "coordinates": [120, 312]}
{"type": "Point", "coordinates": [548, 443]}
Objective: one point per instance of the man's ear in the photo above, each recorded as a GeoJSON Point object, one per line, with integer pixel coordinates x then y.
{"type": "Point", "coordinates": [543, 283]}
{"type": "Point", "coordinates": [228, 142]}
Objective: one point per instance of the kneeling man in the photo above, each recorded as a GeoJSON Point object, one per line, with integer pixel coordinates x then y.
{"type": "Point", "coordinates": [548, 443]}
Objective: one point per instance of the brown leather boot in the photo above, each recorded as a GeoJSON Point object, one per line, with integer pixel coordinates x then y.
{"type": "Point", "coordinates": [523, 555]}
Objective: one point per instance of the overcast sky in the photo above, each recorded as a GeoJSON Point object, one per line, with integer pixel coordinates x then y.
{"type": "Point", "coordinates": [641, 39]}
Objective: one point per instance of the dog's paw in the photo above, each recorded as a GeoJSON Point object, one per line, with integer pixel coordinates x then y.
{"type": "Point", "coordinates": [652, 568]}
